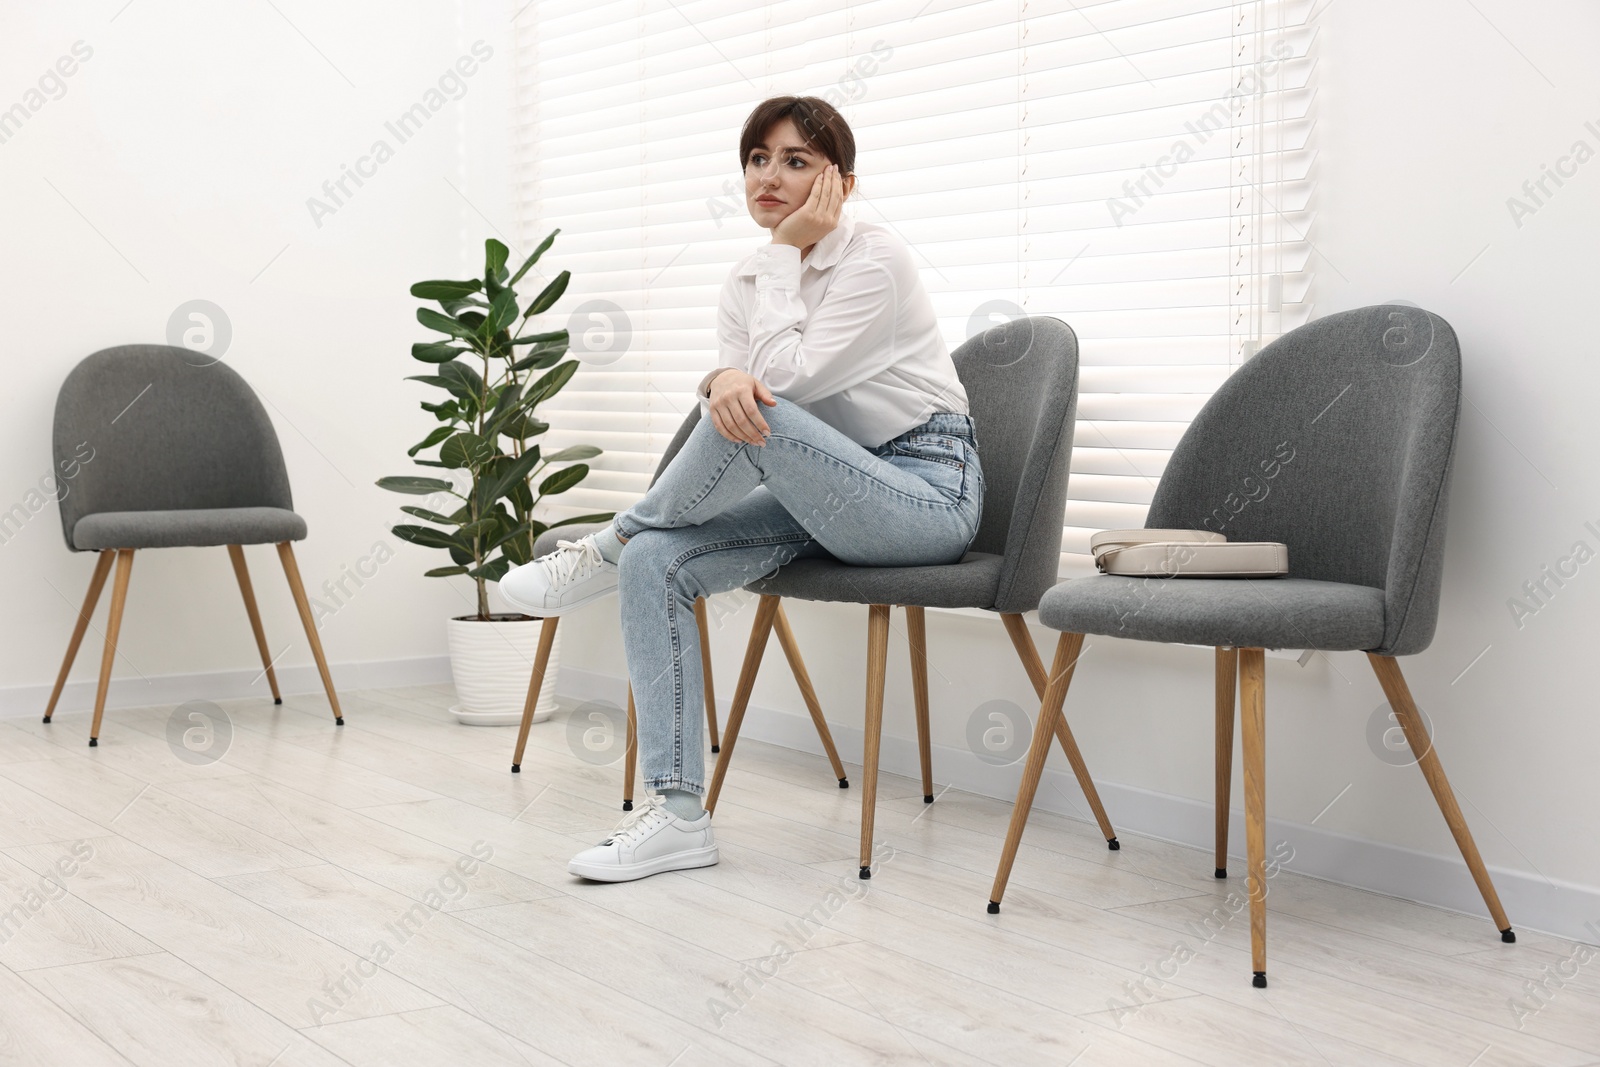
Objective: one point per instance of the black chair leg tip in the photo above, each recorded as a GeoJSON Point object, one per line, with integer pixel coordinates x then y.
{"type": "Point", "coordinates": [1260, 980]}
{"type": "Point", "coordinates": [94, 742]}
{"type": "Point", "coordinates": [47, 720]}
{"type": "Point", "coordinates": [927, 798]}
{"type": "Point", "coordinates": [866, 872]}
{"type": "Point", "coordinates": [1508, 936]}
{"type": "Point", "coordinates": [516, 768]}
{"type": "Point", "coordinates": [627, 805]}
{"type": "Point", "coordinates": [277, 700]}
{"type": "Point", "coordinates": [844, 783]}
{"type": "Point", "coordinates": [715, 749]}
{"type": "Point", "coordinates": [339, 721]}
{"type": "Point", "coordinates": [994, 907]}
{"type": "Point", "coordinates": [1222, 872]}
{"type": "Point", "coordinates": [1114, 845]}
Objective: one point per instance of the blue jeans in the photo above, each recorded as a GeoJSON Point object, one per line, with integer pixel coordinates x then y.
{"type": "Point", "coordinates": [725, 513]}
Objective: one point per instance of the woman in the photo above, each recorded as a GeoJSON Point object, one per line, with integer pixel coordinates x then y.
{"type": "Point", "coordinates": [835, 426]}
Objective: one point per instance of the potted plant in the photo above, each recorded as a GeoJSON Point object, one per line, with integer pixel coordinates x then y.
{"type": "Point", "coordinates": [482, 513]}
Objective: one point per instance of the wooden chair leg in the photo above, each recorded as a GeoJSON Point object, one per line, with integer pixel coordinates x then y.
{"type": "Point", "coordinates": [1405, 709]}
{"type": "Point", "coordinates": [1017, 628]}
{"type": "Point", "coordinates": [119, 597]}
{"type": "Point", "coordinates": [241, 572]}
{"type": "Point", "coordinates": [1253, 722]}
{"type": "Point", "coordinates": [1067, 648]}
{"type": "Point", "coordinates": [766, 612]}
{"type": "Point", "coordinates": [705, 672]}
{"type": "Point", "coordinates": [1227, 670]}
{"type": "Point", "coordinates": [97, 582]}
{"type": "Point", "coordinates": [877, 667]}
{"type": "Point", "coordinates": [797, 665]}
{"type": "Point", "coordinates": [917, 639]}
{"type": "Point", "coordinates": [630, 760]}
{"type": "Point", "coordinates": [541, 662]}
{"type": "Point", "coordinates": [291, 571]}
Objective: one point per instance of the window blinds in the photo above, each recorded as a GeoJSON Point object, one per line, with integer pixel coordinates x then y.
{"type": "Point", "coordinates": [1140, 169]}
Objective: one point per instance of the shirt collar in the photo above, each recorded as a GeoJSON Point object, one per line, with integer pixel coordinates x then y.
{"type": "Point", "coordinates": [825, 254]}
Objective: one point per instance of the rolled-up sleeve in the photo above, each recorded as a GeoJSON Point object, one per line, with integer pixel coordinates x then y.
{"type": "Point", "coordinates": [846, 339]}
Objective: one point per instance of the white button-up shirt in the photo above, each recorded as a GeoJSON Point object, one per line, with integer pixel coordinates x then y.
{"type": "Point", "coordinates": [848, 333]}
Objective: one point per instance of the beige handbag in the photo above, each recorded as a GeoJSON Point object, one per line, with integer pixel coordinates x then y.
{"type": "Point", "coordinates": [1186, 554]}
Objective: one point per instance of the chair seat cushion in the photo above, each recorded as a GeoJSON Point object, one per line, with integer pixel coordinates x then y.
{"type": "Point", "coordinates": [1242, 612]}
{"type": "Point", "coordinates": [189, 528]}
{"type": "Point", "coordinates": [969, 583]}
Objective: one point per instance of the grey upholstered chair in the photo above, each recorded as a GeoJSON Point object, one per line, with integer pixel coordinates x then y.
{"type": "Point", "coordinates": [1336, 439]}
{"type": "Point", "coordinates": [1021, 381]}
{"type": "Point", "coordinates": [183, 456]}
{"type": "Point", "coordinates": [546, 542]}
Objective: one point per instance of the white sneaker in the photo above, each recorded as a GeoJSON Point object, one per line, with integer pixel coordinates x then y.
{"type": "Point", "coordinates": [648, 840]}
{"type": "Point", "coordinates": [573, 575]}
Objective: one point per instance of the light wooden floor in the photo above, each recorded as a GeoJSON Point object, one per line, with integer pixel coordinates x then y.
{"type": "Point", "coordinates": [274, 908]}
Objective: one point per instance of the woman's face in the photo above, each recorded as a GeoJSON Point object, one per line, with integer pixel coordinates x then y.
{"type": "Point", "coordinates": [779, 173]}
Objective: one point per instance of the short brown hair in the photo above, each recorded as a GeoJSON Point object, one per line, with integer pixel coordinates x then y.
{"type": "Point", "coordinates": [818, 121]}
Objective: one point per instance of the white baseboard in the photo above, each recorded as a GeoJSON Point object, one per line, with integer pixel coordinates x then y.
{"type": "Point", "coordinates": [28, 701]}
{"type": "Point", "coordinates": [1533, 902]}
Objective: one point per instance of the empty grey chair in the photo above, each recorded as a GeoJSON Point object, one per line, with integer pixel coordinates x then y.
{"type": "Point", "coordinates": [1336, 439]}
{"type": "Point", "coordinates": [1021, 381]}
{"type": "Point", "coordinates": [183, 456]}
{"type": "Point", "coordinates": [546, 543]}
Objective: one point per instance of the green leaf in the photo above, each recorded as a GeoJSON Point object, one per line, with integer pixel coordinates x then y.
{"type": "Point", "coordinates": [431, 516]}
{"type": "Point", "coordinates": [466, 450]}
{"type": "Point", "coordinates": [445, 290]}
{"type": "Point", "coordinates": [456, 307]}
{"type": "Point", "coordinates": [415, 486]}
{"type": "Point", "coordinates": [543, 338]}
{"type": "Point", "coordinates": [544, 246]}
{"type": "Point", "coordinates": [462, 556]}
{"type": "Point", "coordinates": [522, 427]}
{"type": "Point", "coordinates": [552, 292]}
{"type": "Point", "coordinates": [539, 359]}
{"type": "Point", "coordinates": [504, 409]}
{"type": "Point", "coordinates": [445, 411]}
{"type": "Point", "coordinates": [549, 384]}
{"type": "Point", "coordinates": [444, 324]}
{"type": "Point", "coordinates": [439, 434]}
{"type": "Point", "coordinates": [502, 313]}
{"type": "Point", "coordinates": [494, 260]}
{"type": "Point", "coordinates": [428, 537]}
{"type": "Point", "coordinates": [562, 480]}
{"type": "Point", "coordinates": [460, 379]}
{"type": "Point", "coordinates": [517, 470]}
{"type": "Point", "coordinates": [567, 455]}
{"type": "Point", "coordinates": [606, 516]}
{"type": "Point", "coordinates": [491, 572]}
{"type": "Point", "coordinates": [472, 320]}
{"type": "Point", "coordinates": [515, 531]}
{"type": "Point", "coordinates": [480, 528]}
{"type": "Point", "coordinates": [436, 351]}
{"type": "Point", "coordinates": [444, 572]}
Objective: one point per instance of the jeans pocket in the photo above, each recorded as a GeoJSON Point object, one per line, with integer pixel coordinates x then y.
{"type": "Point", "coordinates": [937, 447]}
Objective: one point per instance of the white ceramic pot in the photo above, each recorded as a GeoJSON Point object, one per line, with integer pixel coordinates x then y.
{"type": "Point", "coordinates": [492, 664]}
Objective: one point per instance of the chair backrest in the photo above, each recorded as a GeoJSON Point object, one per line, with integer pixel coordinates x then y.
{"type": "Point", "coordinates": [1336, 439]}
{"type": "Point", "coordinates": [170, 429]}
{"type": "Point", "coordinates": [684, 430]}
{"type": "Point", "coordinates": [1021, 380]}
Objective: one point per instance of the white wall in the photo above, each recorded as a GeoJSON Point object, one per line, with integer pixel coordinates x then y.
{"type": "Point", "coordinates": [194, 135]}
{"type": "Point", "coordinates": [176, 165]}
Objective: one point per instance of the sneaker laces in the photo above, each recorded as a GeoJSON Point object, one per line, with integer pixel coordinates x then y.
{"type": "Point", "coordinates": [640, 821]}
{"type": "Point", "coordinates": [572, 560]}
